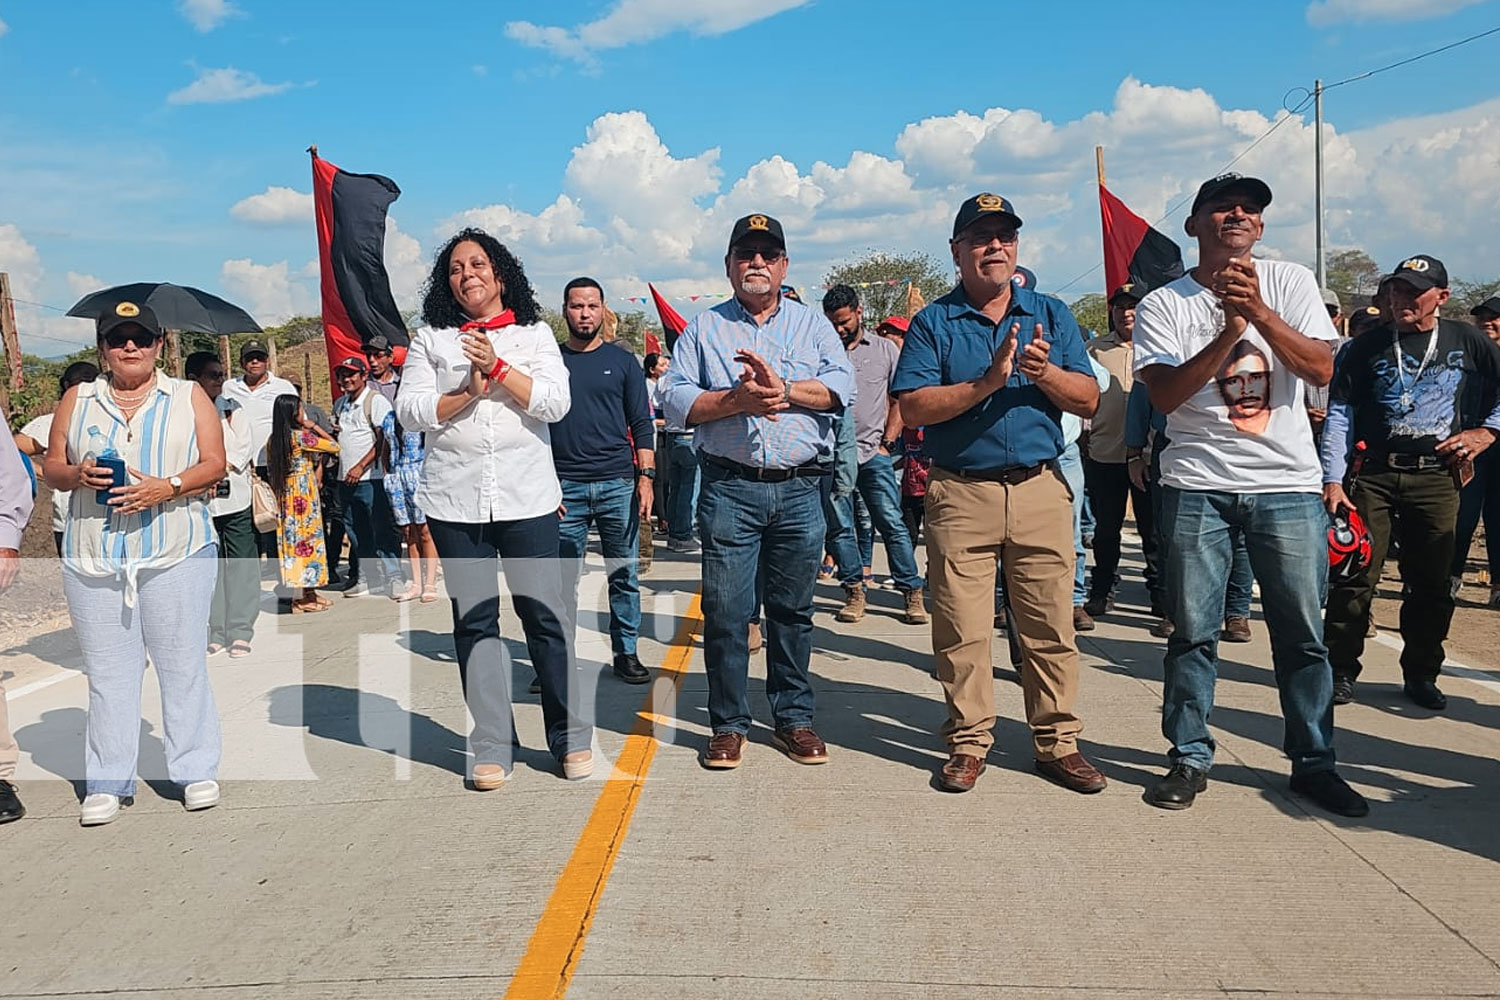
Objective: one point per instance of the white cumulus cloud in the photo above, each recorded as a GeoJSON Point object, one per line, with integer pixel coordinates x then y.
{"type": "Point", "coordinates": [218, 86]}
{"type": "Point", "coordinates": [267, 291]}
{"type": "Point", "coordinates": [80, 285]}
{"type": "Point", "coordinates": [632, 22]}
{"type": "Point", "coordinates": [206, 15]}
{"type": "Point", "coordinates": [43, 331]}
{"type": "Point", "coordinates": [3, 28]}
{"type": "Point", "coordinates": [1323, 13]}
{"type": "Point", "coordinates": [275, 206]}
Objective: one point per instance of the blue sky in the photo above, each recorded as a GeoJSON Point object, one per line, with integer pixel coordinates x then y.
{"type": "Point", "coordinates": [621, 137]}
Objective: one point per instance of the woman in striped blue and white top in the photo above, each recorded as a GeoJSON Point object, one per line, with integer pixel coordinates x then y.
{"type": "Point", "coordinates": [141, 452]}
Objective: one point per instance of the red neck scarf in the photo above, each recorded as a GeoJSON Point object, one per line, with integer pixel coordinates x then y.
{"type": "Point", "coordinates": [507, 318]}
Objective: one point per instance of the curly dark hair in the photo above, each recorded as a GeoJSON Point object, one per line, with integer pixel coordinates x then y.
{"type": "Point", "coordinates": [441, 310]}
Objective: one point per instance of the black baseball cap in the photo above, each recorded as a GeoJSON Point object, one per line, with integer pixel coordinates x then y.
{"type": "Point", "coordinates": [353, 363]}
{"type": "Point", "coordinates": [128, 312]}
{"type": "Point", "coordinates": [1130, 290]}
{"type": "Point", "coordinates": [1421, 272]}
{"type": "Point", "coordinates": [981, 205]}
{"type": "Point", "coordinates": [378, 344]}
{"type": "Point", "coordinates": [1213, 187]}
{"type": "Point", "coordinates": [1363, 319]}
{"type": "Point", "coordinates": [757, 225]}
{"type": "Point", "coordinates": [1489, 305]}
{"type": "Point", "coordinates": [254, 347]}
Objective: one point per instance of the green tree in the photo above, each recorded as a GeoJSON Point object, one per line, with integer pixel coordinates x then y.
{"type": "Point", "coordinates": [885, 276]}
{"type": "Point", "coordinates": [1092, 312]}
{"type": "Point", "coordinates": [1467, 295]}
{"type": "Point", "coordinates": [1352, 272]}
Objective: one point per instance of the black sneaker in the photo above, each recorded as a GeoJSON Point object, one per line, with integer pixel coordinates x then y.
{"type": "Point", "coordinates": [1343, 690]}
{"type": "Point", "coordinates": [1331, 792]}
{"type": "Point", "coordinates": [10, 803]}
{"type": "Point", "coordinates": [1098, 605]}
{"type": "Point", "coordinates": [628, 668]}
{"type": "Point", "coordinates": [1178, 788]}
{"type": "Point", "coordinates": [1425, 694]}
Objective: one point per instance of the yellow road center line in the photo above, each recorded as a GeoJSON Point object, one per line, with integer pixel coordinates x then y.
{"type": "Point", "coordinates": [556, 945]}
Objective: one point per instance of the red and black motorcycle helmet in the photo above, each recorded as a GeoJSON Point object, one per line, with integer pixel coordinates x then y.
{"type": "Point", "coordinates": [1349, 548]}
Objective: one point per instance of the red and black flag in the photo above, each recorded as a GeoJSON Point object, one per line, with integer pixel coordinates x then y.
{"type": "Point", "coordinates": [672, 323]}
{"type": "Point", "coordinates": [357, 300]}
{"type": "Point", "coordinates": [1133, 251]}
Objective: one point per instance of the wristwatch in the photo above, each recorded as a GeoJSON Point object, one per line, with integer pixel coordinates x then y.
{"type": "Point", "coordinates": [892, 445]}
{"type": "Point", "coordinates": [648, 473]}
{"type": "Point", "coordinates": [176, 482]}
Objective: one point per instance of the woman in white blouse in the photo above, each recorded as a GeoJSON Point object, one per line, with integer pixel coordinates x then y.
{"type": "Point", "coordinates": [483, 379]}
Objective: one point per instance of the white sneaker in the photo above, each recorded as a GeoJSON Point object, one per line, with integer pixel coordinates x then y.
{"type": "Point", "coordinates": [200, 795]}
{"type": "Point", "coordinates": [358, 590]}
{"type": "Point", "coordinates": [98, 809]}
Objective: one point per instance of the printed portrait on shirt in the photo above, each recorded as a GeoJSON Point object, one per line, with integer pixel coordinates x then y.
{"type": "Point", "coordinates": [1420, 404]}
{"type": "Point", "coordinates": [1245, 386]}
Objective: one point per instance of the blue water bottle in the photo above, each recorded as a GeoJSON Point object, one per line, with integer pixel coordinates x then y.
{"type": "Point", "coordinates": [105, 456]}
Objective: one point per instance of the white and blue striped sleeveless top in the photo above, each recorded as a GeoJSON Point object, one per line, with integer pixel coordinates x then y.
{"type": "Point", "coordinates": [160, 440]}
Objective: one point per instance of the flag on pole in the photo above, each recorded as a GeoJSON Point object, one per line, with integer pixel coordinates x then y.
{"type": "Point", "coordinates": [672, 323]}
{"type": "Point", "coordinates": [1133, 251]}
{"type": "Point", "coordinates": [356, 292]}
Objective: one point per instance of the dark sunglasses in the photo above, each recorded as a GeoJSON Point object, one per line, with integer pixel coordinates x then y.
{"type": "Point", "coordinates": [143, 339]}
{"type": "Point", "coordinates": [768, 254]}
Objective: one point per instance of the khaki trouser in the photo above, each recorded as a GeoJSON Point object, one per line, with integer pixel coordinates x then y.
{"type": "Point", "coordinates": [1029, 529]}
{"type": "Point", "coordinates": [9, 751]}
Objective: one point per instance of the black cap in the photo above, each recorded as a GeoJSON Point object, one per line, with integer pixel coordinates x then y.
{"type": "Point", "coordinates": [1363, 319]}
{"type": "Point", "coordinates": [981, 205]}
{"type": "Point", "coordinates": [1216, 186]}
{"type": "Point", "coordinates": [128, 312]}
{"type": "Point", "coordinates": [378, 344]}
{"type": "Point", "coordinates": [353, 363]}
{"type": "Point", "coordinates": [1421, 272]}
{"type": "Point", "coordinates": [1130, 290]}
{"type": "Point", "coordinates": [757, 225]}
{"type": "Point", "coordinates": [1489, 305]}
{"type": "Point", "coordinates": [254, 347]}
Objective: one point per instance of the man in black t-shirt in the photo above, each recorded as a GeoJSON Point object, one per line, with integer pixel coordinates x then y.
{"type": "Point", "coordinates": [1421, 393]}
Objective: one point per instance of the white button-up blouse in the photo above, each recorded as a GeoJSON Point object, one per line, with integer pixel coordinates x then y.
{"type": "Point", "coordinates": [493, 461]}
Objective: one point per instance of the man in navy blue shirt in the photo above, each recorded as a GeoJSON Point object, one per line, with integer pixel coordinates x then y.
{"type": "Point", "coordinates": [603, 483]}
{"type": "Point", "coordinates": [988, 370]}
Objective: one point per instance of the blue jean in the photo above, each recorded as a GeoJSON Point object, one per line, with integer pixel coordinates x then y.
{"type": "Point", "coordinates": [613, 508]}
{"type": "Point", "coordinates": [1286, 539]}
{"type": "Point", "coordinates": [168, 623]}
{"type": "Point", "coordinates": [878, 486]}
{"type": "Point", "coordinates": [682, 486]}
{"type": "Point", "coordinates": [1070, 464]}
{"type": "Point", "coordinates": [1481, 498]}
{"type": "Point", "coordinates": [750, 528]}
{"type": "Point", "coordinates": [371, 531]}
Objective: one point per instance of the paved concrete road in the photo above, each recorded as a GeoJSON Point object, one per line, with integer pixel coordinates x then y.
{"type": "Point", "coordinates": [347, 860]}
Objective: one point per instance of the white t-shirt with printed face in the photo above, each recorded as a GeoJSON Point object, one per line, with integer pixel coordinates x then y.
{"type": "Point", "coordinates": [1247, 430]}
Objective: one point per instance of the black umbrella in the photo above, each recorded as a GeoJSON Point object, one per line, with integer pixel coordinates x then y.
{"type": "Point", "coordinates": [177, 307]}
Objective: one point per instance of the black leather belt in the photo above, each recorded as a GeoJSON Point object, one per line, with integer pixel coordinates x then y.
{"type": "Point", "coordinates": [1409, 463]}
{"type": "Point", "coordinates": [1010, 476]}
{"type": "Point", "coordinates": [760, 475]}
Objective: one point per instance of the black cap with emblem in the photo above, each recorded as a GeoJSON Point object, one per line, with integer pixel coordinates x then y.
{"type": "Point", "coordinates": [980, 206]}
{"type": "Point", "coordinates": [1130, 290]}
{"type": "Point", "coordinates": [757, 225]}
{"type": "Point", "coordinates": [129, 312]}
{"type": "Point", "coordinates": [1421, 272]}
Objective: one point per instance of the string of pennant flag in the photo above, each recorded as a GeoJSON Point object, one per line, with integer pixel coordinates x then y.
{"type": "Point", "coordinates": [719, 295]}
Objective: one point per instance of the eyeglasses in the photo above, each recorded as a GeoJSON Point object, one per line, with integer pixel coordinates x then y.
{"type": "Point", "coordinates": [770, 255]}
{"type": "Point", "coordinates": [1007, 237]}
{"type": "Point", "coordinates": [1249, 381]}
{"type": "Point", "coordinates": [143, 339]}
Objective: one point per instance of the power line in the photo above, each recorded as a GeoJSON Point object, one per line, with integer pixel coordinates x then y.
{"type": "Point", "coordinates": [1292, 111]}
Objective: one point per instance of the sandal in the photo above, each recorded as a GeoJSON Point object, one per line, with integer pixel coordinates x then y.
{"type": "Point", "coordinates": [215, 648]}
{"type": "Point", "coordinates": [239, 648]}
{"type": "Point", "coordinates": [429, 595]}
{"type": "Point", "coordinates": [307, 607]}
{"type": "Point", "coordinates": [410, 593]}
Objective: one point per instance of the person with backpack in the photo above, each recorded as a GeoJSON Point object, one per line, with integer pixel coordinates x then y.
{"type": "Point", "coordinates": [367, 423]}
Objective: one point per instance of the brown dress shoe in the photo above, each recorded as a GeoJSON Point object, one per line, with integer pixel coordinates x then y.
{"type": "Point", "coordinates": [1073, 772]}
{"type": "Point", "coordinates": [801, 744]}
{"type": "Point", "coordinates": [723, 751]}
{"type": "Point", "coordinates": [1082, 620]}
{"type": "Point", "coordinates": [1237, 629]}
{"type": "Point", "coordinates": [960, 772]}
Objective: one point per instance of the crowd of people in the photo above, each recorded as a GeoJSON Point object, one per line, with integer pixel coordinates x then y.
{"type": "Point", "coordinates": [1226, 408]}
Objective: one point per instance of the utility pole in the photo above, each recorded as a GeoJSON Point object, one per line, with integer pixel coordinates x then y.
{"type": "Point", "coordinates": [8, 335]}
{"type": "Point", "coordinates": [1322, 268]}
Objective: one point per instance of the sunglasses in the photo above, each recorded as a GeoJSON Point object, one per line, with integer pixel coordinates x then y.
{"type": "Point", "coordinates": [143, 339]}
{"type": "Point", "coordinates": [768, 254]}
{"type": "Point", "coordinates": [984, 239]}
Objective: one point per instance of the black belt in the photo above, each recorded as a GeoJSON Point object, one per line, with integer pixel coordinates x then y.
{"type": "Point", "coordinates": [760, 475]}
{"type": "Point", "coordinates": [1403, 462]}
{"type": "Point", "coordinates": [678, 434]}
{"type": "Point", "coordinates": [1010, 476]}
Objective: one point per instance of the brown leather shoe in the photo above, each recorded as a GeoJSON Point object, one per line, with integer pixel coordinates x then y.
{"type": "Point", "coordinates": [801, 744]}
{"type": "Point", "coordinates": [960, 772]}
{"type": "Point", "coordinates": [723, 751]}
{"type": "Point", "coordinates": [1073, 772]}
{"type": "Point", "coordinates": [916, 610]}
{"type": "Point", "coordinates": [1236, 629]}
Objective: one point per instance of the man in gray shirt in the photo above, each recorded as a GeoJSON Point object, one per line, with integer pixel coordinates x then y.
{"type": "Point", "coordinates": [877, 433]}
{"type": "Point", "coordinates": [15, 511]}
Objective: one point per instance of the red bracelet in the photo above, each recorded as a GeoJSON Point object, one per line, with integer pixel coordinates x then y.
{"type": "Point", "coordinates": [498, 373]}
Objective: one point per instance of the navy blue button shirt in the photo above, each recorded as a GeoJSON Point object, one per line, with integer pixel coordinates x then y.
{"type": "Point", "coordinates": [951, 341]}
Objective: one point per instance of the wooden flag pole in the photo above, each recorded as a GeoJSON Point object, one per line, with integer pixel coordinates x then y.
{"type": "Point", "coordinates": [11, 339]}
{"type": "Point", "coordinates": [271, 354]}
{"type": "Point", "coordinates": [1099, 163]}
{"type": "Point", "coordinates": [174, 353]}
{"type": "Point", "coordinates": [224, 353]}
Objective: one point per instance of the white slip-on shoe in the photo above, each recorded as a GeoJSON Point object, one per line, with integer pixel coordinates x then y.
{"type": "Point", "coordinates": [579, 768]}
{"type": "Point", "coordinates": [100, 808]}
{"type": "Point", "coordinates": [200, 795]}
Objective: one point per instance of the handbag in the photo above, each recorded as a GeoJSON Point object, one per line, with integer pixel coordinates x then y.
{"type": "Point", "coordinates": [264, 506]}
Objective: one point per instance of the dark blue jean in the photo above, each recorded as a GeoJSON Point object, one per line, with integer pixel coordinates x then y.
{"type": "Point", "coordinates": [613, 508]}
{"type": "Point", "coordinates": [775, 530]}
{"type": "Point", "coordinates": [1286, 539]}
{"type": "Point", "coordinates": [879, 487]}
{"type": "Point", "coordinates": [682, 486]}
{"type": "Point", "coordinates": [1481, 498]}
{"type": "Point", "coordinates": [372, 532]}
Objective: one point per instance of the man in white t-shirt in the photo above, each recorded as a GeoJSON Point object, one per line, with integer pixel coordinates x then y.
{"type": "Point", "coordinates": [255, 390]}
{"type": "Point", "coordinates": [367, 425]}
{"type": "Point", "coordinates": [32, 442]}
{"type": "Point", "coordinates": [1225, 352]}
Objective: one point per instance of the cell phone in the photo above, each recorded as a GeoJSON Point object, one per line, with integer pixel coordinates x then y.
{"type": "Point", "coordinates": [221, 489]}
{"type": "Point", "coordinates": [1463, 472]}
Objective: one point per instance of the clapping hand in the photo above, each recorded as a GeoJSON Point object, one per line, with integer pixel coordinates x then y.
{"type": "Point", "coordinates": [1034, 358]}
{"type": "Point", "coordinates": [1004, 362]}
